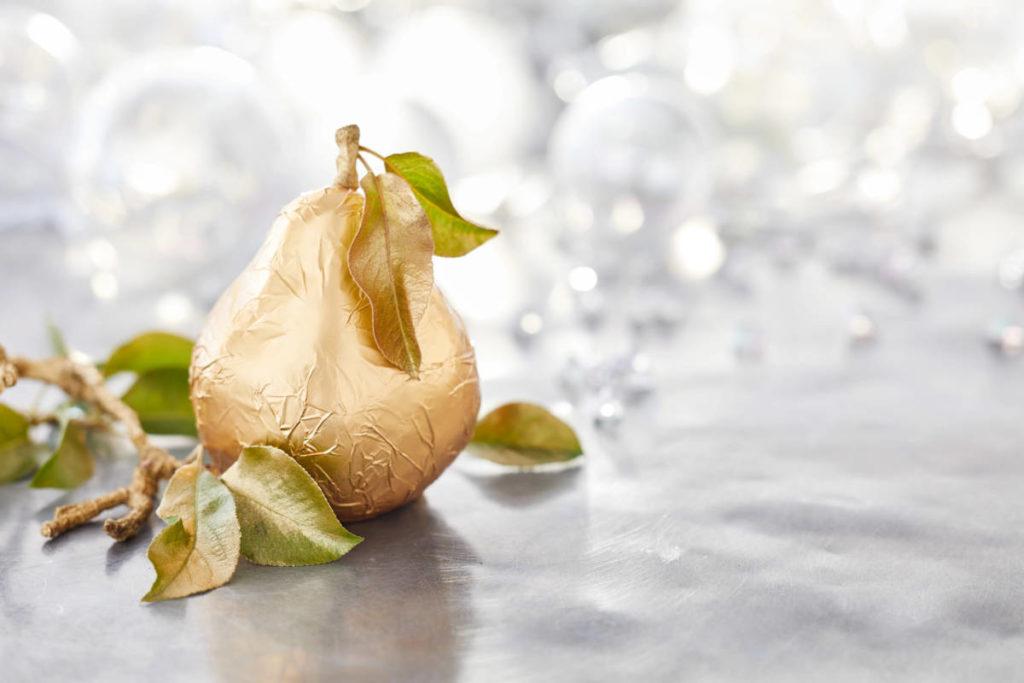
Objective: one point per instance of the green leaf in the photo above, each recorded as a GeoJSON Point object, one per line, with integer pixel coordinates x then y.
{"type": "Point", "coordinates": [71, 465]}
{"type": "Point", "coordinates": [150, 351]}
{"type": "Point", "coordinates": [523, 435]}
{"type": "Point", "coordinates": [160, 397]}
{"type": "Point", "coordinates": [17, 452]}
{"type": "Point", "coordinates": [199, 549]}
{"type": "Point", "coordinates": [390, 260]}
{"type": "Point", "coordinates": [453, 234]}
{"type": "Point", "coordinates": [57, 341]}
{"type": "Point", "coordinates": [13, 426]}
{"type": "Point", "coordinates": [19, 460]}
{"type": "Point", "coordinates": [285, 518]}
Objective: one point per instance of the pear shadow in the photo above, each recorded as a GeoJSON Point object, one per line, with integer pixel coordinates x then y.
{"type": "Point", "coordinates": [523, 489]}
{"type": "Point", "coordinates": [396, 607]}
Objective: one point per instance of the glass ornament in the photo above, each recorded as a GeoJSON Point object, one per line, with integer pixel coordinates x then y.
{"type": "Point", "coordinates": [180, 162]}
{"type": "Point", "coordinates": [630, 154]}
{"type": "Point", "coordinates": [472, 73]}
{"type": "Point", "coordinates": [37, 57]}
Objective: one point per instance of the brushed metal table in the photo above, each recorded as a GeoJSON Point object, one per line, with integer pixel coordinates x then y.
{"type": "Point", "coordinates": [853, 517]}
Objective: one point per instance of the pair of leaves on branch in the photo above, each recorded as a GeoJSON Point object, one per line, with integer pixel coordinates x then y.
{"type": "Point", "coordinates": [409, 217]}
{"type": "Point", "coordinates": [18, 454]}
{"type": "Point", "coordinates": [69, 465]}
{"type": "Point", "coordinates": [160, 394]}
{"type": "Point", "coordinates": [265, 507]}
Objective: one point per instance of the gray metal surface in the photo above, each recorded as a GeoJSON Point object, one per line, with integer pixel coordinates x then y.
{"type": "Point", "coordinates": [860, 518]}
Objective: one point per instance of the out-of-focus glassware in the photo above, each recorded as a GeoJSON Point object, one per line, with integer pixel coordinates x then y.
{"type": "Point", "coordinates": [630, 157]}
{"type": "Point", "coordinates": [472, 73]}
{"type": "Point", "coordinates": [180, 161]}
{"type": "Point", "coordinates": [38, 54]}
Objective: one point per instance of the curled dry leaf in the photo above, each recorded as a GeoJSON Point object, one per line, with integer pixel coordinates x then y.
{"type": "Point", "coordinates": [524, 435]}
{"type": "Point", "coordinates": [390, 261]}
{"type": "Point", "coordinates": [453, 234]}
{"type": "Point", "coordinates": [199, 549]}
{"type": "Point", "coordinates": [71, 464]}
{"type": "Point", "coordinates": [285, 518]}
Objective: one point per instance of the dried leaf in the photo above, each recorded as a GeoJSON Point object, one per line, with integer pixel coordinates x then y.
{"type": "Point", "coordinates": [453, 234]}
{"type": "Point", "coordinates": [285, 518]}
{"type": "Point", "coordinates": [150, 351]}
{"type": "Point", "coordinates": [72, 464]}
{"type": "Point", "coordinates": [347, 139]}
{"type": "Point", "coordinates": [17, 452]}
{"type": "Point", "coordinates": [161, 399]}
{"type": "Point", "coordinates": [390, 261]}
{"type": "Point", "coordinates": [523, 435]}
{"type": "Point", "coordinates": [199, 550]}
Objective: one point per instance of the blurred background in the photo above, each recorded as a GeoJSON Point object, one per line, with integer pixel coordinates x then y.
{"type": "Point", "coordinates": [680, 184]}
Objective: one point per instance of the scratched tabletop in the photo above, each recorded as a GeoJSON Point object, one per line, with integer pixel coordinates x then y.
{"type": "Point", "coordinates": [847, 514]}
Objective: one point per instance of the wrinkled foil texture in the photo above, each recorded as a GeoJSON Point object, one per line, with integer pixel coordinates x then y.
{"type": "Point", "coordinates": [287, 358]}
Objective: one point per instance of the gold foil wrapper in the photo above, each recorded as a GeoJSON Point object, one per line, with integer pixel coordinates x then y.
{"type": "Point", "coordinates": [287, 358]}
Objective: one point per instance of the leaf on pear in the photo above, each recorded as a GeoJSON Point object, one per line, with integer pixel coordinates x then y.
{"type": "Point", "coordinates": [161, 400]}
{"type": "Point", "coordinates": [17, 452]}
{"type": "Point", "coordinates": [150, 351]}
{"type": "Point", "coordinates": [71, 464]}
{"type": "Point", "coordinates": [199, 549]}
{"type": "Point", "coordinates": [453, 234]}
{"type": "Point", "coordinates": [390, 261]}
{"type": "Point", "coordinates": [524, 435]}
{"type": "Point", "coordinates": [285, 518]}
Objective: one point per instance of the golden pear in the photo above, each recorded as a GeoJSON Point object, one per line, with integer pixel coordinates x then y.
{"type": "Point", "coordinates": [287, 358]}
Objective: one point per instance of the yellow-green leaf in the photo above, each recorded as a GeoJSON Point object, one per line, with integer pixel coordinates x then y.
{"type": "Point", "coordinates": [199, 549]}
{"type": "Point", "coordinates": [160, 397]}
{"type": "Point", "coordinates": [453, 234]}
{"type": "Point", "coordinates": [57, 341]}
{"type": "Point", "coordinates": [390, 261]}
{"type": "Point", "coordinates": [150, 351]}
{"type": "Point", "coordinates": [523, 435]}
{"type": "Point", "coordinates": [17, 452]}
{"type": "Point", "coordinates": [285, 518]}
{"type": "Point", "coordinates": [71, 464]}
{"type": "Point", "coordinates": [13, 425]}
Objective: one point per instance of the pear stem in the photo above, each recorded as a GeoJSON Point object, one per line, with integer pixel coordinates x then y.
{"type": "Point", "coordinates": [347, 139]}
{"type": "Point", "coordinates": [372, 153]}
{"type": "Point", "coordinates": [361, 160]}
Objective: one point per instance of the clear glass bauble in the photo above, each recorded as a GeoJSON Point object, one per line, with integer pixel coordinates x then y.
{"type": "Point", "coordinates": [179, 164]}
{"type": "Point", "coordinates": [37, 55]}
{"type": "Point", "coordinates": [630, 156]}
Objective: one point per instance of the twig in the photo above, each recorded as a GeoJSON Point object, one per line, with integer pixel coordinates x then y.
{"type": "Point", "coordinates": [89, 421]}
{"type": "Point", "coordinates": [83, 382]}
{"type": "Point", "coordinates": [8, 374]}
